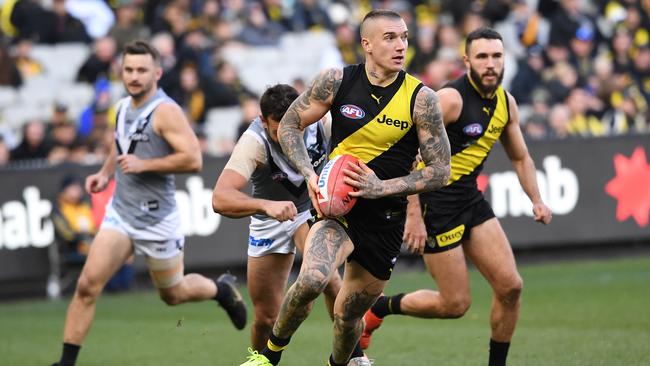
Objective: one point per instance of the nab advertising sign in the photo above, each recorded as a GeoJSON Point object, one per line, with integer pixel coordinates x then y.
{"type": "Point", "coordinates": [598, 190]}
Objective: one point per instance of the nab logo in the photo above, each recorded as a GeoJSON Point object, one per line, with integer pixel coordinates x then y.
{"type": "Point", "coordinates": [352, 111]}
{"type": "Point", "coordinates": [474, 129]}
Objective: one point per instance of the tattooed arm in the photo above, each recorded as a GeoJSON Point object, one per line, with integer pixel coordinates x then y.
{"type": "Point", "coordinates": [308, 108]}
{"type": "Point", "coordinates": [434, 149]}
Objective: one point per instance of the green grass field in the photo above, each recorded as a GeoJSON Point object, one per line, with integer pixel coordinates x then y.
{"type": "Point", "coordinates": [573, 313]}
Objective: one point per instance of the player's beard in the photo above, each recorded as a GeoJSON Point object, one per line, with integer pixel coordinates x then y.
{"type": "Point", "coordinates": [484, 89]}
{"type": "Point", "coordinates": [145, 88]}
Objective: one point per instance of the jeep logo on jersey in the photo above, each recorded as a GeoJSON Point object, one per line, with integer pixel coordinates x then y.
{"type": "Point", "coordinates": [402, 125]}
{"type": "Point", "coordinates": [352, 111]}
{"type": "Point", "coordinates": [474, 129]}
{"type": "Point", "coordinates": [496, 129]}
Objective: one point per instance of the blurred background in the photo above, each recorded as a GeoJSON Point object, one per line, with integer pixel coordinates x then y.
{"type": "Point", "coordinates": [580, 71]}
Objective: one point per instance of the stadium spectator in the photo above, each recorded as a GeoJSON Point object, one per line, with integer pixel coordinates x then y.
{"type": "Point", "coordinates": [62, 139]}
{"type": "Point", "coordinates": [62, 27]}
{"type": "Point", "coordinates": [96, 16]}
{"type": "Point", "coordinates": [127, 27]}
{"type": "Point", "coordinates": [250, 110]}
{"type": "Point", "coordinates": [258, 30]}
{"type": "Point", "coordinates": [27, 65]}
{"type": "Point", "coordinates": [641, 69]}
{"type": "Point", "coordinates": [348, 44]}
{"type": "Point", "coordinates": [196, 48]}
{"type": "Point", "coordinates": [33, 145]}
{"type": "Point", "coordinates": [582, 121]}
{"type": "Point", "coordinates": [24, 19]}
{"type": "Point", "coordinates": [73, 220]}
{"type": "Point", "coordinates": [568, 17]}
{"type": "Point", "coordinates": [535, 128]}
{"type": "Point", "coordinates": [208, 17]}
{"type": "Point", "coordinates": [9, 72]}
{"type": "Point", "coordinates": [559, 121]}
{"type": "Point", "coordinates": [99, 64]}
{"type": "Point", "coordinates": [235, 89]}
{"type": "Point", "coordinates": [100, 113]}
{"type": "Point", "coordinates": [582, 47]}
{"type": "Point", "coordinates": [173, 19]}
{"type": "Point", "coordinates": [529, 74]}
{"type": "Point", "coordinates": [310, 15]}
{"type": "Point", "coordinates": [165, 45]}
{"type": "Point", "coordinates": [191, 94]}
{"type": "Point", "coordinates": [424, 48]}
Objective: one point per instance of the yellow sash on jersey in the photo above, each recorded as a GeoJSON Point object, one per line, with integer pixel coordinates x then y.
{"type": "Point", "coordinates": [385, 129]}
{"type": "Point", "coordinates": [465, 161]}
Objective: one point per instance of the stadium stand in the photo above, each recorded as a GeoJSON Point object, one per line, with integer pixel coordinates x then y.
{"type": "Point", "coordinates": [594, 56]}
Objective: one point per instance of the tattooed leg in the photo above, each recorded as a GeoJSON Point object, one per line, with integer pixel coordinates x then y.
{"type": "Point", "coordinates": [326, 248]}
{"type": "Point", "coordinates": [359, 292]}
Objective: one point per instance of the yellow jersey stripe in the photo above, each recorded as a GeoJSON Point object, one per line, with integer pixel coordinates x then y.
{"type": "Point", "coordinates": [5, 18]}
{"type": "Point", "coordinates": [466, 161]}
{"type": "Point", "coordinates": [384, 130]}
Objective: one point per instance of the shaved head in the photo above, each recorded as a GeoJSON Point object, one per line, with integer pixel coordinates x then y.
{"type": "Point", "coordinates": [369, 20]}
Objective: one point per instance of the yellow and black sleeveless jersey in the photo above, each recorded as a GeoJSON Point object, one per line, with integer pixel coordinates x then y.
{"type": "Point", "coordinates": [375, 124]}
{"type": "Point", "coordinates": [479, 126]}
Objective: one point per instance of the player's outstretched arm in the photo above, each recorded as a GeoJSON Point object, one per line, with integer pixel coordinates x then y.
{"type": "Point", "coordinates": [170, 122]}
{"type": "Point", "coordinates": [515, 147]}
{"type": "Point", "coordinates": [308, 108]}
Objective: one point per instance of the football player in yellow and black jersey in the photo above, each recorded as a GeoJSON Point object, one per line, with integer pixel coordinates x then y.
{"type": "Point", "coordinates": [458, 222]}
{"type": "Point", "coordinates": [381, 115]}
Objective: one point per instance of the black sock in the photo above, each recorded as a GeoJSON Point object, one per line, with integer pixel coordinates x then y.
{"type": "Point", "coordinates": [223, 292]}
{"type": "Point", "coordinates": [498, 353]}
{"type": "Point", "coordinates": [69, 355]}
{"type": "Point", "coordinates": [332, 363]}
{"type": "Point", "coordinates": [387, 305]}
{"type": "Point", "coordinates": [274, 348]}
{"type": "Point", "coordinates": [357, 351]}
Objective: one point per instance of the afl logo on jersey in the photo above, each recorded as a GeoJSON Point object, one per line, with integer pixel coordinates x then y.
{"type": "Point", "coordinates": [352, 111]}
{"type": "Point", "coordinates": [474, 129]}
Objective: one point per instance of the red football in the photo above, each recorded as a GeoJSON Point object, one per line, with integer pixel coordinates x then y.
{"type": "Point", "coordinates": [333, 198]}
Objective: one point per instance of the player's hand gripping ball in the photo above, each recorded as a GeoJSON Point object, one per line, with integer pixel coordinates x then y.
{"type": "Point", "coordinates": [333, 198]}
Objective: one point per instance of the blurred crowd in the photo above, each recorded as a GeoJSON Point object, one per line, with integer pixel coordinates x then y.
{"type": "Point", "coordinates": [578, 68]}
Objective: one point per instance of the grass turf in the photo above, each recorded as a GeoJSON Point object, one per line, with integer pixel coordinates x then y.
{"type": "Point", "coordinates": [574, 313]}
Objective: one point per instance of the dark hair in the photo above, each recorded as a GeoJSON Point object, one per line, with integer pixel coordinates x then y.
{"type": "Point", "coordinates": [276, 100]}
{"type": "Point", "coordinates": [481, 33]}
{"type": "Point", "coordinates": [381, 13]}
{"type": "Point", "coordinates": [140, 47]}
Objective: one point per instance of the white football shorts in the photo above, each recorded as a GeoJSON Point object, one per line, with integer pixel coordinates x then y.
{"type": "Point", "coordinates": [272, 236]}
{"type": "Point", "coordinates": [163, 240]}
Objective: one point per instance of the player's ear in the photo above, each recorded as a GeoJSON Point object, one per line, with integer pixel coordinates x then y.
{"type": "Point", "coordinates": [365, 43]}
{"type": "Point", "coordinates": [466, 60]}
